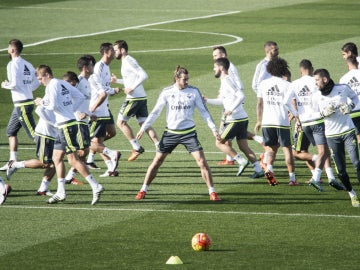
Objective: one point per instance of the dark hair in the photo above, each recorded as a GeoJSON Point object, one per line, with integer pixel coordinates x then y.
{"type": "Point", "coordinates": [17, 44]}
{"type": "Point", "coordinates": [105, 47]}
{"type": "Point", "coordinates": [350, 47]}
{"type": "Point", "coordinates": [178, 71]}
{"type": "Point", "coordinates": [85, 61]}
{"type": "Point", "coordinates": [278, 67]}
{"type": "Point", "coordinates": [220, 48]}
{"type": "Point", "coordinates": [122, 44]}
{"type": "Point", "coordinates": [71, 78]}
{"type": "Point", "coordinates": [270, 43]}
{"type": "Point", "coordinates": [352, 59]}
{"type": "Point", "coordinates": [224, 62]}
{"type": "Point", "coordinates": [307, 65]}
{"type": "Point", "coordinates": [43, 69]}
{"type": "Point", "coordinates": [323, 73]}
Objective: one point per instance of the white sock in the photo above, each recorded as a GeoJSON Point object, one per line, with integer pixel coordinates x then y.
{"type": "Point", "coordinates": [292, 177]}
{"type": "Point", "coordinates": [44, 186]}
{"type": "Point", "coordinates": [211, 190]}
{"type": "Point", "coordinates": [19, 164]}
{"type": "Point", "coordinates": [91, 180]}
{"type": "Point", "coordinates": [229, 158]}
{"type": "Point", "coordinates": [13, 155]}
{"type": "Point", "coordinates": [269, 168]}
{"type": "Point", "coordinates": [70, 175]}
{"type": "Point", "coordinates": [330, 173]}
{"type": "Point", "coordinates": [317, 174]}
{"type": "Point", "coordinates": [239, 159]}
{"type": "Point", "coordinates": [109, 164]}
{"type": "Point", "coordinates": [352, 193]}
{"type": "Point", "coordinates": [314, 157]}
{"type": "Point", "coordinates": [90, 158]}
{"type": "Point", "coordinates": [258, 139]}
{"type": "Point", "coordinates": [107, 152]}
{"type": "Point", "coordinates": [135, 144]}
{"type": "Point", "coordinates": [61, 187]}
{"type": "Point", "coordinates": [144, 187]}
{"type": "Point", "coordinates": [265, 157]}
{"type": "Point", "coordinates": [256, 166]}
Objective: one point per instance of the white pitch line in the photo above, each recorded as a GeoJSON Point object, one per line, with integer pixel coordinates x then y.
{"type": "Point", "coordinates": [185, 211]}
{"type": "Point", "coordinates": [128, 28]}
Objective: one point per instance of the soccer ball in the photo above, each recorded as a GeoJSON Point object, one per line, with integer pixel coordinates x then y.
{"type": "Point", "coordinates": [201, 242]}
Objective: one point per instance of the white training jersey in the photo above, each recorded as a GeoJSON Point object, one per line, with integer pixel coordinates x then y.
{"type": "Point", "coordinates": [234, 74]}
{"type": "Point", "coordinates": [180, 106]}
{"type": "Point", "coordinates": [84, 87]}
{"type": "Point", "coordinates": [352, 78]}
{"type": "Point", "coordinates": [303, 89]}
{"type": "Point", "coordinates": [276, 102]}
{"type": "Point", "coordinates": [62, 98]}
{"type": "Point", "coordinates": [45, 127]}
{"type": "Point", "coordinates": [231, 98]}
{"type": "Point", "coordinates": [133, 76]}
{"type": "Point", "coordinates": [337, 123]}
{"type": "Point", "coordinates": [100, 82]}
{"type": "Point", "coordinates": [22, 80]}
{"type": "Point", "coordinates": [260, 74]}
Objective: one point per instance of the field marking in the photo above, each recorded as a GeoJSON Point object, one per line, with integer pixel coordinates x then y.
{"type": "Point", "coordinates": [128, 28]}
{"type": "Point", "coordinates": [186, 211]}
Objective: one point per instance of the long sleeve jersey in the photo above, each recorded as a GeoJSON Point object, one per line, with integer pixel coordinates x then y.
{"type": "Point", "coordinates": [180, 106]}
{"type": "Point", "coordinates": [22, 80]}
{"type": "Point", "coordinates": [62, 98]}
{"type": "Point", "coordinates": [133, 76]}
{"type": "Point", "coordinates": [231, 98]}
{"type": "Point", "coordinates": [337, 123]}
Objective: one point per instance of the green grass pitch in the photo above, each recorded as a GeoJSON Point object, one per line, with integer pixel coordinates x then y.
{"type": "Point", "coordinates": [255, 226]}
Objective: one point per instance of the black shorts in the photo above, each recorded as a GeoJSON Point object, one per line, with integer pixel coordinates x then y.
{"type": "Point", "coordinates": [236, 129]}
{"type": "Point", "coordinates": [170, 140]}
{"type": "Point", "coordinates": [275, 136]}
{"type": "Point", "coordinates": [67, 138]}
{"type": "Point", "coordinates": [44, 148]}
{"type": "Point", "coordinates": [22, 116]}
{"type": "Point", "coordinates": [83, 136]}
{"type": "Point", "coordinates": [98, 128]}
{"type": "Point", "coordinates": [133, 107]}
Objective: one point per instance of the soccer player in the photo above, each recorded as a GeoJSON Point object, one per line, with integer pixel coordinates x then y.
{"type": "Point", "coordinates": [135, 104]}
{"type": "Point", "coordinates": [21, 81]}
{"type": "Point", "coordinates": [352, 78]}
{"type": "Point", "coordinates": [333, 102]}
{"type": "Point", "coordinates": [45, 135]}
{"type": "Point", "coordinates": [220, 52]}
{"type": "Point", "coordinates": [273, 105]}
{"type": "Point", "coordinates": [311, 128]}
{"type": "Point", "coordinates": [235, 119]}
{"type": "Point", "coordinates": [271, 51]}
{"type": "Point", "coordinates": [99, 111]}
{"type": "Point", "coordinates": [62, 98]}
{"type": "Point", "coordinates": [180, 100]}
{"type": "Point", "coordinates": [86, 68]}
{"type": "Point", "coordinates": [350, 49]}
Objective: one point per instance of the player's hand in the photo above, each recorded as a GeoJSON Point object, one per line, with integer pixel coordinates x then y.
{"type": "Point", "coordinates": [113, 78]}
{"type": "Point", "coordinates": [128, 90]}
{"type": "Point", "coordinates": [217, 135]}
{"type": "Point", "coordinates": [117, 90]}
{"type": "Point", "coordinates": [345, 108]}
{"type": "Point", "coordinates": [327, 111]}
{"type": "Point", "coordinates": [140, 134]}
{"type": "Point", "coordinates": [4, 83]}
{"type": "Point", "coordinates": [257, 127]}
{"type": "Point", "coordinates": [37, 101]}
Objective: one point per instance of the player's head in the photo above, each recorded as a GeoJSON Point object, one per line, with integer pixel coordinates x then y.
{"type": "Point", "coordinates": [71, 78]}
{"type": "Point", "coordinates": [87, 63]}
{"type": "Point", "coordinates": [219, 51]}
{"type": "Point", "coordinates": [44, 74]}
{"type": "Point", "coordinates": [306, 67]}
{"type": "Point", "coordinates": [15, 47]}
{"type": "Point", "coordinates": [121, 48]}
{"type": "Point", "coordinates": [271, 49]}
{"type": "Point", "coordinates": [107, 50]}
{"type": "Point", "coordinates": [349, 49]}
{"type": "Point", "coordinates": [352, 62]}
{"type": "Point", "coordinates": [181, 77]}
{"type": "Point", "coordinates": [221, 65]}
{"type": "Point", "coordinates": [322, 78]}
{"type": "Point", "coordinates": [278, 67]}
